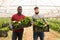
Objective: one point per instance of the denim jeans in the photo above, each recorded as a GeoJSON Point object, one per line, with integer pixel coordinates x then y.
{"type": "Point", "coordinates": [16, 35]}
{"type": "Point", "coordinates": [38, 34]}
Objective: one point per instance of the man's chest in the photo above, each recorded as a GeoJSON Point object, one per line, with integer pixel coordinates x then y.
{"type": "Point", "coordinates": [36, 16]}
{"type": "Point", "coordinates": [17, 18]}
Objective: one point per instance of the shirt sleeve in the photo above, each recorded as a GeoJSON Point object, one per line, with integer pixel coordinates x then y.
{"type": "Point", "coordinates": [44, 19]}
{"type": "Point", "coordinates": [23, 16]}
{"type": "Point", "coordinates": [12, 18]}
{"type": "Point", "coordinates": [33, 18]}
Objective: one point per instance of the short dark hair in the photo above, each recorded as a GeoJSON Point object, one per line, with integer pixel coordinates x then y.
{"type": "Point", "coordinates": [19, 6]}
{"type": "Point", "coordinates": [36, 8]}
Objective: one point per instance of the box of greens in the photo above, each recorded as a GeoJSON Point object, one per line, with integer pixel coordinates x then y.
{"type": "Point", "coordinates": [39, 24]}
{"type": "Point", "coordinates": [22, 23]}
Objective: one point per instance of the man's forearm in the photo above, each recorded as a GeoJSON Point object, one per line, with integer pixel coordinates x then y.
{"type": "Point", "coordinates": [45, 20]}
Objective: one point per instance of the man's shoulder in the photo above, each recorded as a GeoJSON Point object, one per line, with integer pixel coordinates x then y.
{"type": "Point", "coordinates": [33, 15]}
{"type": "Point", "coordinates": [23, 15]}
{"type": "Point", "coordinates": [41, 15]}
{"type": "Point", "coordinates": [14, 15]}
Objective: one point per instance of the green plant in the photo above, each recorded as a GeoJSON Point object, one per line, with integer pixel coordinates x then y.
{"type": "Point", "coordinates": [54, 24]}
{"type": "Point", "coordinates": [22, 23]}
{"type": "Point", "coordinates": [39, 24]}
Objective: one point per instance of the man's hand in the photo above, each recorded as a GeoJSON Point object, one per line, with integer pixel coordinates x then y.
{"type": "Point", "coordinates": [32, 23]}
{"type": "Point", "coordinates": [46, 24]}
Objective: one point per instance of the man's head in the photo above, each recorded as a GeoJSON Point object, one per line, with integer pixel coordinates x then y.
{"type": "Point", "coordinates": [19, 9]}
{"type": "Point", "coordinates": [36, 9]}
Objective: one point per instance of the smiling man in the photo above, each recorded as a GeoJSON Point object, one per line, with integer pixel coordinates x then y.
{"type": "Point", "coordinates": [16, 17]}
{"type": "Point", "coordinates": [35, 17]}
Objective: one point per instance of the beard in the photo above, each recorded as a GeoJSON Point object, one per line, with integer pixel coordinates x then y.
{"type": "Point", "coordinates": [19, 13]}
{"type": "Point", "coordinates": [36, 12]}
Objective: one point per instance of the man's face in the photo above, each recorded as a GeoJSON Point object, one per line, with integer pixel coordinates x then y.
{"type": "Point", "coordinates": [19, 10]}
{"type": "Point", "coordinates": [36, 11]}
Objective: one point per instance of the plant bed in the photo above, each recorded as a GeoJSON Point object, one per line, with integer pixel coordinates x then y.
{"type": "Point", "coordinates": [54, 24]}
{"type": "Point", "coordinates": [5, 25]}
{"type": "Point", "coordinates": [22, 23]}
{"type": "Point", "coordinates": [4, 32]}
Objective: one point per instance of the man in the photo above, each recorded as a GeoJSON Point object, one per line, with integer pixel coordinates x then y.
{"type": "Point", "coordinates": [16, 17]}
{"type": "Point", "coordinates": [35, 17]}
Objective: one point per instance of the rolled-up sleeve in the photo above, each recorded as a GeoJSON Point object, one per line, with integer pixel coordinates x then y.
{"type": "Point", "coordinates": [44, 19]}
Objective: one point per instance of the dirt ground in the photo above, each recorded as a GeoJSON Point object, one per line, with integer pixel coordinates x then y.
{"type": "Point", "coordinates": [28, 35]}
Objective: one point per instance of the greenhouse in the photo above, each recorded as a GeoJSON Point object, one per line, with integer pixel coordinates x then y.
{"type": "Point", "coordinates": [49, 9]}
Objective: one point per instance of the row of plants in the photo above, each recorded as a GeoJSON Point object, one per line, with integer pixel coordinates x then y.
{"type": "Point", "coordinates": [54, 24]}
{"type": "Point", "coordinates": [4, 27]}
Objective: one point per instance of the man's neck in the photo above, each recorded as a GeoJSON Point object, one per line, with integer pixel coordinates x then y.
{"type": "Point", "coordinates": [19, 13]}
